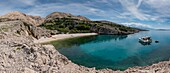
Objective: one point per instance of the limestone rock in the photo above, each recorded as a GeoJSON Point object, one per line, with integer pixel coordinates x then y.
{"type": "Point", "coordinates": [35, 20]}
{"type": "Point", "coordinates": [20, 28]}
{"type": "Point", "coordinates": [105, 29]}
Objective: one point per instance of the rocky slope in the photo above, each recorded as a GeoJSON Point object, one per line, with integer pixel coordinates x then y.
{"type": "Point", "coordinates": [112, 28]}
{"type": "Point", "coordinates": [21, 28]}
{"type": "Point", "coordinates": [68, 23]}
{"type": "Point", "coordinates": [19, 54]}
{"type": "Point", "coordinates": [65, 15]}
{"type": "Point", "coordinates": [35, 20]}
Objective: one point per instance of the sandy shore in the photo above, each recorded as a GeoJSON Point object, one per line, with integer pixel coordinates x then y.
{"type": "Point", "coordinates": [62, 36]}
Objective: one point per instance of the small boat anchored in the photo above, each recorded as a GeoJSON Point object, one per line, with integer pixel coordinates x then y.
{"type": "Point", "coordinates": [146, 39]}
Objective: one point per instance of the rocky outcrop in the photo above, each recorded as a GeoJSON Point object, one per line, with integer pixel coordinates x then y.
{"type": "Point", "coordinates": [21, 55]}
{"type": "Point", "coordinates": [161, 67]}
{"type": "Point", "coordinates": [20, 28]}
{"type": "Point", "coordinates": [38, 19]}
{"type": "Point", "coordinates": [68, 23]}
{"type": "Point", "coordinates": [105, 29]}
{"type": "Point", "coordinates": [35, 20]}
{"type": "Point", "coordinates": [55, 15]}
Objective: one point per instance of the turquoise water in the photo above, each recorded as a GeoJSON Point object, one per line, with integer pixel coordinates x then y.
{"type": "Point", "coordinates": [116, 52]}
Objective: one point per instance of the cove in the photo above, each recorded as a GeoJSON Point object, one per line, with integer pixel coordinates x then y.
{"type": "Point", "coordinates": [117, 52]}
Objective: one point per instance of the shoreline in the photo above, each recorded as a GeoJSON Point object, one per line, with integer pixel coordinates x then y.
{"type": "Point", "coordinates": [61, 37]}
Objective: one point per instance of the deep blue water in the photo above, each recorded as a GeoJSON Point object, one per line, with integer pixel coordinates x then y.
{"type": "Point", "coordinates": [116, 52]}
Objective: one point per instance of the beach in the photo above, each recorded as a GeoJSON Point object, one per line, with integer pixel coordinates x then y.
{"type": "Point", "coordinates": [62, 36]}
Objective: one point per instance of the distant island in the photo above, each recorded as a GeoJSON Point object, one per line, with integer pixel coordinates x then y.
{"type": "Point", "coordinates": [163, 29]}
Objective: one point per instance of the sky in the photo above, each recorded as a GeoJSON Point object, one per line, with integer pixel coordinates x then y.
{"type": "Point", "coordinates": [136, 13]}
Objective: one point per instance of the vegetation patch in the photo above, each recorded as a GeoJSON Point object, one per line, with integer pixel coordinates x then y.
{"type": "Point", "coordinates": [70, 25]}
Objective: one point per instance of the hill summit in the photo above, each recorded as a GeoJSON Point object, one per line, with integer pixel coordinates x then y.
{"type": "Point", "coordinates": [66, 15]}
{"type": "Point", "coordinates": [35, 20]}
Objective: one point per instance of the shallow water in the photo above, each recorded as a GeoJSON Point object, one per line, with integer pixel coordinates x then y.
{"type": "Point", "coordinates": [116, 52]}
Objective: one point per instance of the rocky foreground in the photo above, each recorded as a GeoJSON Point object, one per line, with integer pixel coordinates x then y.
{"type": "Point", "coordinates": [19, 54]}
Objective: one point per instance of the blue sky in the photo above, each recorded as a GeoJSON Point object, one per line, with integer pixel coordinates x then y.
{"type": "Point", "coordinates": [139, 13]}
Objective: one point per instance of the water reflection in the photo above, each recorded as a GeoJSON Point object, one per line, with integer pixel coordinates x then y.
{"type": "Point", "coordinates": [67, 43]}
{"type": "Point", "coordinates": [145, 44]}
{"type": "Point", "coordinates": [104, 38]}
{"type": "Point", "coordinates": [82, 40]}
{"type": "Point", "coordinates": [155, 56]}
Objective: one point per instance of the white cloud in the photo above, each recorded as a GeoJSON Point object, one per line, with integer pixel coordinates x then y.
{"type": "Point", "coordinates": [160, 6]}
{"type": "Point", "coordinates": [11, 5]}
{"type": "Point", "coordinates": [139, 25]}
{"type": "Point", "coordinates": [139, 3]}
{"type": "Point", "coordinates": [133, 9]}
{"type": "Point", "coordinates": [27, 2]}
{"type": "Point", "coordinates": [20, 3]}
{"type": "Point", "coordinates": [158, 3]}
{"type": "Point", "coordinates": [74, 8]}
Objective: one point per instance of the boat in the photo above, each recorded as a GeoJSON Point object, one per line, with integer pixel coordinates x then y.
{"type": "Point", "coordinates": [146, 39]}
{"type": "Point", "coordinates": [156, 41]}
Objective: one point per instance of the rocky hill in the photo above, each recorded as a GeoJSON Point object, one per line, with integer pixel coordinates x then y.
{"type": "Point", "coordinates": [67, 23]}
{"type": "Point", "coordinates": [65, 15]}
{"type": "Point", "coordinates": [35, 20]}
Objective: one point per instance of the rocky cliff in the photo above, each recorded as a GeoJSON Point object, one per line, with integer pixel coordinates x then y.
{"type": "Point", "coordinates": [35, 20]}
{"type": "Point", "coordinates": [113, 29]}
{"type": "Point", "coordinates": [21, 28]}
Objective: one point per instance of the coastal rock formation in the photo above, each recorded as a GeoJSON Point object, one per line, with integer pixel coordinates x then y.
{"type": "Point", "coordinates": [39, 20]}
{"type": "Point", "coordinates": [65, 15]}
{"type": "Point", "coordinates": [20, 28]}
{"type": "Point", "coordinates": [161, 67]}
{"type": "Point", "coordinates": [68, 23]}
{"type": "Point", "coordinates": [35, 20]}
{"type": "Point", "coordinates": [105, 29]}
{"type": "Point", "coordinates": [21, 55]}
